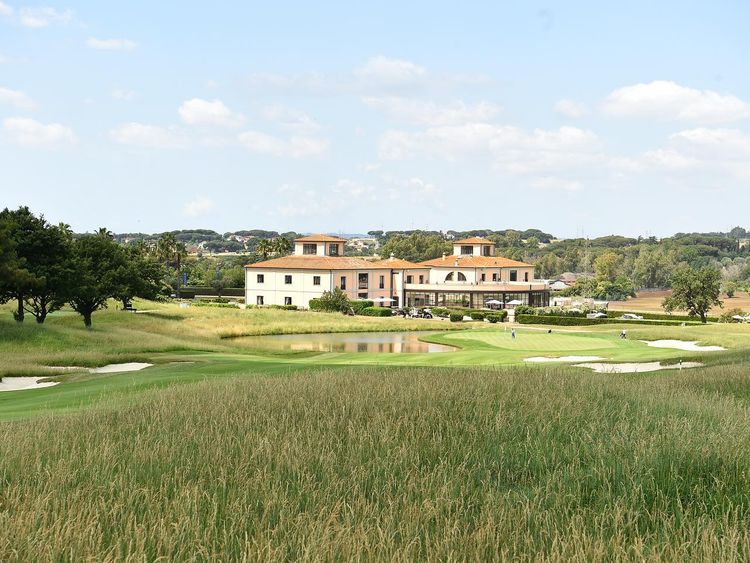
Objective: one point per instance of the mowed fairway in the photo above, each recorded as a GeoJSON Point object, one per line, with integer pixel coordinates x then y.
{"type": "Point", "coordinates": [221, 452]}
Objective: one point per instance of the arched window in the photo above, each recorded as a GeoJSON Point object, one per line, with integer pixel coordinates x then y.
{"type": "Point", "coordinates": [461, 277]}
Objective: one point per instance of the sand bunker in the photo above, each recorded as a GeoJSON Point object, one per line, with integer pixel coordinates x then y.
{"type": "Point", "coordinates": [682, 345]}
{"type": "Point", "coordinates": [636, 367]}
{"type": "Point", "coordinates": [118, 368]}
{"type": "Point", "coordinates": [541, 359]}
{"type": "Point", "coordinates": [22, 383]}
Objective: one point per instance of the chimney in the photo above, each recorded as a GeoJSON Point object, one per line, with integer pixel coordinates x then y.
{"type": "Point", "coordinates": [392, 255]}
{"type": "Point", "coordinates": [443, 255]}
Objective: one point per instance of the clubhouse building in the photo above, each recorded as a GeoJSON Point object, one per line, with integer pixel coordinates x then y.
{"type": "Point", "coordinates": [471, 277]}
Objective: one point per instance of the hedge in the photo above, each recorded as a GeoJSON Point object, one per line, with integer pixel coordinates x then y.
{"type": "Point", "coordinates": [376, 312]}
{"type": "Point", "coordinates": [189, 292]}
{"type": "Point", "coordinates": [477, 315]}
{"type": "Point", "coordinates": [658, 316]}
{"type": "Point", "coordinates": [284, 307]}
{"type": "Point", "coordinates": [582, 321]}
{"type": "Point", "coordinates": [456, 317]}
{"type": "Point", "coordinates": [318, 305]}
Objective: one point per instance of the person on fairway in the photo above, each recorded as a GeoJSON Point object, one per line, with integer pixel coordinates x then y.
{"type": "Point", "coordinates": [513, 334]}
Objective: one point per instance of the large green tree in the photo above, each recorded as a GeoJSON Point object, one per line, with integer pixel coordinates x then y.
{"type": "Point", "coordinates": [415, 247]}
{"type": "Point", "coordinates": [653, 267]}
{"type": "Point", "coordinates": [139, 275]}
{"type": "Point", "coordinates": [40, 283]}
{"type": "Point", "coordinates": [694, 291]}
{"type": "Point", "coordinates": [97, 261]}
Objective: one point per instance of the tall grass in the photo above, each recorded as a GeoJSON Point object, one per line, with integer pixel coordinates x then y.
{"type": "Point", "coordinates": [406, 464]}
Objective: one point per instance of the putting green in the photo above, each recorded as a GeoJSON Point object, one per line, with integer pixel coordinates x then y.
{"type": "Point", "coordinates": [530, 341]}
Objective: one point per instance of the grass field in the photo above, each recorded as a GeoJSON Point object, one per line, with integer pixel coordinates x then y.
{"type": "Point", "coordinates": [650, 302]}
{"type": "Point", "coordinates": [222, 452]}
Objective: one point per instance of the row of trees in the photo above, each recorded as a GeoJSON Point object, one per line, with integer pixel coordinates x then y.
{"type": "Point", "coordinates": [44, 266]}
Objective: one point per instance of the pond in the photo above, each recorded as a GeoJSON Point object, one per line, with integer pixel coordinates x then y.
{"type": "Point", "coordinates": [371, 342]}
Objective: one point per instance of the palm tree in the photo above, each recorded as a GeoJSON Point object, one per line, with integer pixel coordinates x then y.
{"type": "Point", "coordinates": [264, 248]}
{"type": "Point", "coordinates": [282, 246]}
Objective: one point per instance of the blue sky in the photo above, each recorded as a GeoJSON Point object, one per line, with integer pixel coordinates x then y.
{"type": "Point", "coordinates": [576, 117]}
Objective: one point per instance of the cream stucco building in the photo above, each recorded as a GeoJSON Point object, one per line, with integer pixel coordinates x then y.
{"type": "Point", "coordinates": [470, 277]}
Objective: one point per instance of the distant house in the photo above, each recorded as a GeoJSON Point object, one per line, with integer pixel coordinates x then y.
{"type": "Point", "coordinates": [558, 285]}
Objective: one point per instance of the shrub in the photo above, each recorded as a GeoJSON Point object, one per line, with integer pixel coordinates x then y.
{"type": "Point", "coordinates": [493, 317]}
{"type": "Point", "coordinates": [456, 317]}
{"type": "Point", "coordinates": [726, 316]}
{"type": "Point", "coordinates": [477, 315]}
{"type": "Point", "coordinates": [331, 301]}
{"type": "Point", "coordinates": [525, 310]}
{"type": "Point", "coordinates": [376, 312]}
{"type": "Point", "coordinates": [360, 305]}
{"type": "Point", "coordinates": [440, 312]}
{"type": "Point", "coordinates": [284, 307]}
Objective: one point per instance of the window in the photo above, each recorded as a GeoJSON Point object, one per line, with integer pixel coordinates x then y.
{"type": "Point", "coordinates": [364, 281]}
{"type": "Point", "coordinates": [467, 250]}
{"type": "Point", "coordinates": [259, 300]}
{"type": "Point", "coordinates": [333, 249]}
{"type": "Point", "coordinates": [409, 279]}
{"type": "Point", "coordinates": [494, 276]}
{"type": "Point", "coordinates": [287, 300]}
{"type": "Point", "coordinates": [261, 278]}
{"type": "Point", "coordinates": [288, 280]}
{"type": "Point", "coordinates": [485, 251]}
{"type": "Point", "coordinates": [525, 276]}
{"type": "Point", "coordinates": [514, 275]}
{"type": "Point", "coordinates": [421, 278]}
{"type": "Point", "coordinates": [362, 295]}
{"type": "Point", "coordinates": [381, 282]}
{"type": "Point", "coordinates": [461, 277]}
{"type": "Point", "coordinates": [309, 248]}
{"type": "Point", "coordinates": [342, 285]}
{"type": "Point", "coordinates": [484, 277]}
{"type": "Point", "coordinates": [316, 280]}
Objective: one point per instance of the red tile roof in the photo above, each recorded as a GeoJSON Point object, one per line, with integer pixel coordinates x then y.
{"type": "Point", "coordinates": [473, 240]}
{"type": "Point", "coordinates": [319, 238]}
{"type": "Point", "coordinates": [318, 263]}
{"type": "Point", "coordinates": [475, 262]}
{"type": "Point", "coordinates": [399, 264]}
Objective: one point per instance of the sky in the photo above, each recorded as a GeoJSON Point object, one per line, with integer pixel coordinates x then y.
{"type": "Point", "coordinates": [580, 118]}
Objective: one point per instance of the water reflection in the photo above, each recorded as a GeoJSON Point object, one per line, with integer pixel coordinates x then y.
{"type": "Point", "coordinates": [372, 342]}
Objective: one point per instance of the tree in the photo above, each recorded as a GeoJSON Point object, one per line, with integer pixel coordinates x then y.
{"type": "Point", "coordinates": [264, 248]}
{"type": "Point", "coordinates": [694, 291]}
{"type": "Point", "coordinates": [730, 287]}
{"type": "Point", "coordinates": [138, 275]}
{"type": "Point", "coordinates": [548, 266]}
{"type": "Point", "coordinates": [416, 247]}
{"type": "Point", "coordinates": [606, 266]}
{"type": "Point", "coordinates": [281, 246]}
{"type": "Point", "coordinates": [97, 260]}
{"type": "Point", "coordinates": [653, 267]}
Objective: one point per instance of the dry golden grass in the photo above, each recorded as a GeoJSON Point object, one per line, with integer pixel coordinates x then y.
{"type": "Point", "coordinates": [650, 302]}
{"type": "Point", "coordinates": [403, 465]}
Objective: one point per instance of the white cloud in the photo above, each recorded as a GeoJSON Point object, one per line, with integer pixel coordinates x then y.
{"type": "Point", "coordinates": [510, 147]}
{"type": "Point", "coordinates": [43, 17]}
{"type": "Point", "coordinates": [554, 183]}
{"type": "Point", "coordinates": [111, 44]}
{"type": "Point", "coordinates": [666, 100]}
{"type": "Point", "coordinates": [123, 95]}
{"type": "Point", "coordinates": [571, 108]}
{"type": "Point", "coordinates": [33, 134]}
{"type": "Point", "coordinates": [5, 10]}
{"type": "Point", "coordinates": [430, 113]}
{"type": "Point", "coordinates": [205, 112]}
{"type": "Point", "coordinates": [291, 119]}
{"type": "Point", "coordinates": [148, 136]}
{"type": "Point", "coordinates": [16, 98]}
{"type": "Point", "coordinates": [200, 205]}
{"type": "Point", "coordinates": [386, 71]}
{"type": "Point", "coordinates": [295, 147]}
